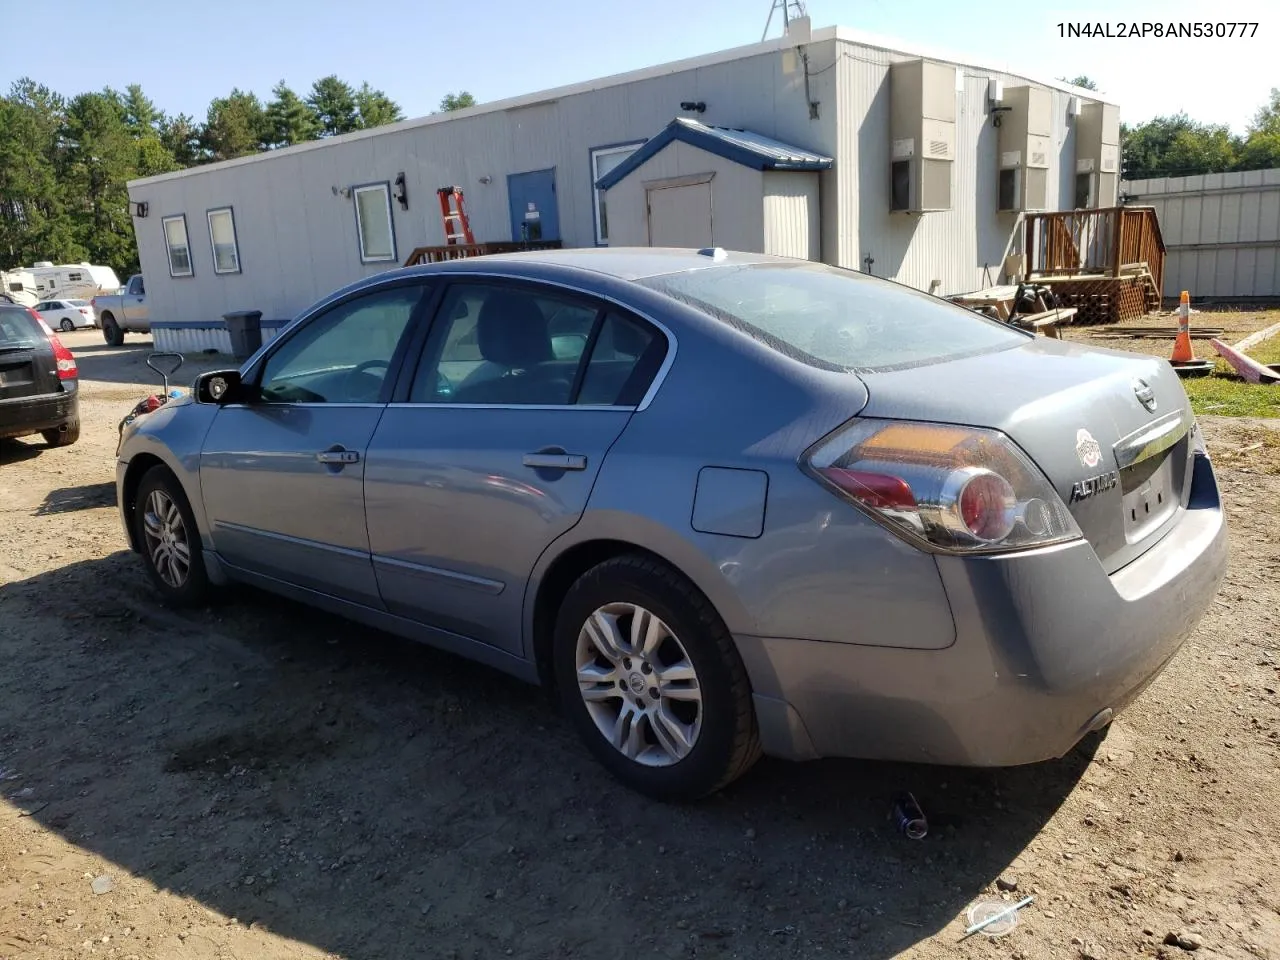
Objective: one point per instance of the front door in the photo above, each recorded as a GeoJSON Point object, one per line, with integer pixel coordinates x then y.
{"type": "Point", "coordinates": [534, 215]}
{"type": "Point", "coordinates": [283, 475]}
{"type": "Point", "coordinates": [135, 302]}
{"type": "Point", "coordinates": [493, 453]}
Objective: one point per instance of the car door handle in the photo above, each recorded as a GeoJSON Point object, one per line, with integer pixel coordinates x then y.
{"type": "Point", "coordinates": [338, 456]}
{"type": "Point", "coordinates": [555, 461]}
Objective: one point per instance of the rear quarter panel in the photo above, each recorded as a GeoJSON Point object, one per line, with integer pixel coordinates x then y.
{"type": "Point", "coordinates": [820, 569]}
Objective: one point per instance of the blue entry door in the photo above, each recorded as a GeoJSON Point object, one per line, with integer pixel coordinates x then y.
{"type": "Point", "coordinates": [534, 215]}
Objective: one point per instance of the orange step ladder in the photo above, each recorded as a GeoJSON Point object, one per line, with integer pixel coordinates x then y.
{"type": "Point", "coordinates": [453, 216]}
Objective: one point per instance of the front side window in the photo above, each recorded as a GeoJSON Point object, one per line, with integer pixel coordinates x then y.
{"type": "Point", "coordinates": [222, 238]}
{"type": "Point", "coordinates": [604, 160]}
{"type": "Point", "coordinates": [373, 222]}
{"type": "Point", "coordinates": [343, 355]}
{"type": "Point", "coordinates": [175, 239]}
{"type": "Point", "coordinates": [837, 319]}
{"type": "Point", "coordinates": [506, 345]}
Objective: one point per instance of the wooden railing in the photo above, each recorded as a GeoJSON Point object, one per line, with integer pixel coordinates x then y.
{"type": "Point", "coordinates": [1110, 242]}
{"type": "Point", "coordinates": [459, 251]}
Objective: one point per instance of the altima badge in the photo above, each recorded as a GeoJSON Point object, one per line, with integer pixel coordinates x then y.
{"type": "Point", "coordinates": [1088, 449]}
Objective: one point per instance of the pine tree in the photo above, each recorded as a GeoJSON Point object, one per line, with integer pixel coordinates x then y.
{"type": "Point", "coordinates": [236, 126]}
{"type": "Point", "coordinates": [335, 105]}
{"type": "Point", "coordinates": [290, 119]}
{"type": "Point", "coordinates": [376, 108]}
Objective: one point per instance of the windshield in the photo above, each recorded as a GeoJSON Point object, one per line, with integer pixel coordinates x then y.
{"type": "Point", "coordinates": [835, 318]}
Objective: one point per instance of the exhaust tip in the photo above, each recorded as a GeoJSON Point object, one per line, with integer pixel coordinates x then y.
{"type": "Point", "coordinates": [1100, 719]}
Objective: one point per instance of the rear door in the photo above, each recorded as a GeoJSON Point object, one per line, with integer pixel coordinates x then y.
{"type": "Point", "coordinates": [490, 452]}
{"type": "Point", "coordinates": [28, 367]}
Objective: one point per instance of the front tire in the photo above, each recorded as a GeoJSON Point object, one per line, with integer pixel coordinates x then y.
{"type": "Point", "coordinates": [650, 677]}
{"type": "Point", "coordinates": [169, 539]}
{"type": "Point", "coordinates": [111, 331]}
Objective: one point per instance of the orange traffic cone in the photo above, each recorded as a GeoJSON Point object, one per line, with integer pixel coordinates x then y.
{"type": "Point", "coordinates": [1182, 352]}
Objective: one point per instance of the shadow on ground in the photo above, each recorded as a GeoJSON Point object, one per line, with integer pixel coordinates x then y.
{"type": "Point", "coordinates": [71, 499]}
{"type": "Point", "coordinates": [14, 450]}
{"type": "Point", "coordinates": [371, 796]}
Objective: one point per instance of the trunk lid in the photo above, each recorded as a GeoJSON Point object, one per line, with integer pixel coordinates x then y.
{"type": "Point", "coordinates": [1111, 430]}
{"type": "Point", "coordinates": [28, 367]}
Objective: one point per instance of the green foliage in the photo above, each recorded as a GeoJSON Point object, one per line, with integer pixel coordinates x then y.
{"type": "Point", "coordinates": [1080, 81]}
{"type": "Point", "coordinates": [334, 102]}
{"type": "Point", "coordinates": [456, 101]}
{"type": "Point", "coordinates": [1178, 146]}
{"type": "Point", "coordinates": [236, 126]}
{"type": "Point", "coordinates": [376, 108]}
{"type": "Point", "coordinates": [290, 119]}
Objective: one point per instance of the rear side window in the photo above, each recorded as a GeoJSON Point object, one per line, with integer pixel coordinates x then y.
{"type": "Point", "coordinates": [837, 319]}
{"type": "Point", "coordinates": [506, 345]}
{"type": "Point", "coordinates": [17, 328]}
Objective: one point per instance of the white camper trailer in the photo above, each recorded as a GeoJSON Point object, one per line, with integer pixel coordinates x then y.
{"type": "Point", "coordinates": [20, 286]}
{"type": "Point", "coordinates": [73, 280]}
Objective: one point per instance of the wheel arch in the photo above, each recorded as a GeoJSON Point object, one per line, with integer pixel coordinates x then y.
{"type": "Point", "coordinates": [139, 465]}
{"type": "Point", "coordinates": [601, 538]}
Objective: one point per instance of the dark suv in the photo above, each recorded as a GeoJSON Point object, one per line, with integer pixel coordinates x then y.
{"type": "Point", "coordinates": [38, 380]}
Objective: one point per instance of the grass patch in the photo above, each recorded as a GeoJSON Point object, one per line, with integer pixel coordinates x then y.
{"type": "Point", "coordinates": [1224, 394]}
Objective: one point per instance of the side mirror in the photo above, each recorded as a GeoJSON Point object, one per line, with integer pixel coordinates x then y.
{"type": "Point", "coordinates": [220, 387]}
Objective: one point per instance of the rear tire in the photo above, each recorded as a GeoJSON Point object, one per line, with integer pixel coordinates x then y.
{"type": "Point", "coordinates": [167, 535]}
{"type": "Point", "coordinates": [66, 325]}
{"type": "Point", "coordinates": [676, 700]}
{"type": "Point", "coordinates": [111, 331]}
{"type": "Point", "coordinates": [62, 438]}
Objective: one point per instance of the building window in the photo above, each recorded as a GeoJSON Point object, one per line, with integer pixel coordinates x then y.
{"type": "Point", "coordinates": [175, 239]}
{"type": "Point", "coordinates": [603, 160]}
{"type": "Point", "coordinates": [373, 221]}
{"type": "Point", "coordinates": [222, 237]}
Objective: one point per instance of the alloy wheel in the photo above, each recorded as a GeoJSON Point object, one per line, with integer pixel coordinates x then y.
{"type": "Point", "coordinates": [639, 685]}
{"type": "Point", "coordinates": [166, 535]}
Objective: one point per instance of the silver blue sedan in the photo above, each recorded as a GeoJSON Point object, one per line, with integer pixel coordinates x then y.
{"type": "Point", "coordinates": [724, 504]}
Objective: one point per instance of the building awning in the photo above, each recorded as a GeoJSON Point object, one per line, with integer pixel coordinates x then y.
{"type": "Point", "coordinates": [741, 146]}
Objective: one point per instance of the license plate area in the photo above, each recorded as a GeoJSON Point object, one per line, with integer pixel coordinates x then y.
{"type": "Point", "coordinates": [1150, 493]}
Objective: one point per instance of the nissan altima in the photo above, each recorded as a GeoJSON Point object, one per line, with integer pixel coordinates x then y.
{"type": "Point", "coordinates": [722, 504]}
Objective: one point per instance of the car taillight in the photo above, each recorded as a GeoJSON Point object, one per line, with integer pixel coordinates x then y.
{"type": "Point", "coordinates": [84, 311]}
{"type": "Point", "coordinates": [948, 488]}
{"type": "Point", "coordinates": [66, 360]}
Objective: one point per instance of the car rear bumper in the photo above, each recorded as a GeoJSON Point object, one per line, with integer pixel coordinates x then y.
{"type": "Point", "coordinates": [1048, 647]}
{"type": "Point", "coordinates": [21, 416]}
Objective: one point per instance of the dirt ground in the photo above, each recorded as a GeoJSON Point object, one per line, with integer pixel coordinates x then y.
{"type": "Point", "coordinates": [258, 780]}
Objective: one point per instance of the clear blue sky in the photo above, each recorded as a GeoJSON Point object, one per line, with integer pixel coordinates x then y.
{"type": "Point", "coordinates": [186, 54]}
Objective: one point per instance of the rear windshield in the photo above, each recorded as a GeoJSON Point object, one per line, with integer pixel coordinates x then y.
{"type": "Point", "coordinates": [837, 319]}
{"type": "Point", "coordinates": [78, 303]}
{"type": "Point", "coordinates": [17, 328]}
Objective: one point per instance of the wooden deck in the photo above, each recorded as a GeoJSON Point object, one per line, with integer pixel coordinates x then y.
{"type": "Point", "coordinates": [1107, 263]}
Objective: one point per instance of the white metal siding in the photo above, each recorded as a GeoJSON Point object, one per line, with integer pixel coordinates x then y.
{"type": "Point", "coordinates": [737, 217]}
{"type": "Point", "coordinates": [297, 236]}
{"type": "Point", "coordinates": [1221, 231]}
{"type": "Point", "coordinates": [963, 247]}
{"type": "Point", "coordinates": [791, 216]}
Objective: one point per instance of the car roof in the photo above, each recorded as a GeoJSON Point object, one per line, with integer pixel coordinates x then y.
{"type": "Point", "coordinates": [625, 263]}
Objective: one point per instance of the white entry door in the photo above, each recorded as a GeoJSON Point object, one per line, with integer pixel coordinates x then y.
{"type": "Point", "coordinates": [680, 216]}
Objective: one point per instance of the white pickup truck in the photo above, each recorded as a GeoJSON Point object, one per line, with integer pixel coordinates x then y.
{"type": "Point", "coordinates": [123, 312]}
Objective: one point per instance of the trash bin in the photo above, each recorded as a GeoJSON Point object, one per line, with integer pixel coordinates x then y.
{"type": "Point", "coordinates": [245, 327]}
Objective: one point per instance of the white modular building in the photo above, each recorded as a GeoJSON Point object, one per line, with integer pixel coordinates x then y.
{"type": "Point", "coordinates": [827, 144]}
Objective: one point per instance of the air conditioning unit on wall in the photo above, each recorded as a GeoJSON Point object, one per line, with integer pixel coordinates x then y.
{"type": "Point", "coordinates": [1097, 155]}
{"type": "Point", "coordinates": [922, 132]}
{"type": "Point", "coordinates": [1026, 142]}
